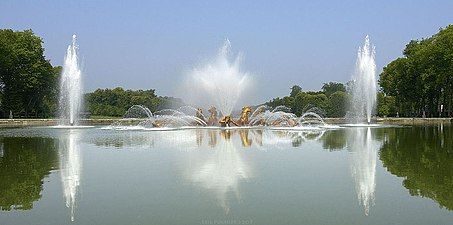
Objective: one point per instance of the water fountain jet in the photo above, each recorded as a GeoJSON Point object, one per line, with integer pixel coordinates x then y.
{"type": "Point", "coordinates": [364, 90]}
{"type": "Point", "coordinates": [222, 80]}
{"type": "Point", "coordinates": [70, 102]}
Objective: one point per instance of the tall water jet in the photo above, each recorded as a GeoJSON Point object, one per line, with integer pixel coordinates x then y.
{"type": "Point", "coordinates": [222, 80]}
{"type": "Point", "coordinates": [70, 103]}
{"type": "Point", "coordinates": [364, 90]}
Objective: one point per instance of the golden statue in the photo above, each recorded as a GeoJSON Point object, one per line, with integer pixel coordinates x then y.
{"type": "Point", "coordinates": [226, 121]}
{"type": "Point", "coordinates": [244, 119]}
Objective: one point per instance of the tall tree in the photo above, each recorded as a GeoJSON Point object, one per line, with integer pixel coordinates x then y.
{"type": "Point", "coordinates": [332, 87]}
{"type": "Point", "coordinates": [27, 79]}
{"type": "Point", "coordinates": [295, 90]}
{"type": "Point", "coordinates": [422, 80]}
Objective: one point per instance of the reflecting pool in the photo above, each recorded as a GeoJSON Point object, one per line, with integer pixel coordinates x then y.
{"type": "Point", "coordinates": [374, 175]}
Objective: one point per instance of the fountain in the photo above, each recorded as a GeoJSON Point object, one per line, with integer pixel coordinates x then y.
{"type": "Point", "coordinates": [139, 117]}
{"type": "Point", "coordinates": [70, 103]}
{"type": "Point", "coordinates": [222, 80]}
{"type": "Point", "coordinates": [364, 90]}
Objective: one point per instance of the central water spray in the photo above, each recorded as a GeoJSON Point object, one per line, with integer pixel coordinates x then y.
{"type": "Point", "coordinates": [70, 87]}
{"type": "Point", "coordinates": [364, 88]}
{"type": "Point", "coordinates": [222, 80]}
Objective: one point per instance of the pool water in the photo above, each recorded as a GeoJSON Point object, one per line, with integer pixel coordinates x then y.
{"type": "Point", "coordinates": [353, 175]}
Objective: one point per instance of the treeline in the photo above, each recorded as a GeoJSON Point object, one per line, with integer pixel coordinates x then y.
{"type": "Point", "coordinates": [331, 101]}
{"type": "Point", "coordinates": [115, 102]}
{"type": "Point", "coordinates": [27, 79]}
{"type": "Point", "coordinates": [421, 82]}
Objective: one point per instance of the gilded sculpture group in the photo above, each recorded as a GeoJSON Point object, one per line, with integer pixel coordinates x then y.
{"type": "Point", "coordinates": [225, 121]}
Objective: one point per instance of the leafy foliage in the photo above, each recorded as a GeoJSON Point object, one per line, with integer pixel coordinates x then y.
{"type": "Point", "coordinates": [27, 80]}
{"type": "Point", "coordinates": [386, 105]}
{"type": "Point", "coordinates": [422, 80]}
{"type": "Point", "coordinates": [332, 87]}
{"type": "Point", "coordinates": [334, 104]}
{"type": "Point", "coordinates": [337, 104]}
{"type": "Point", "coordinates": [115, 102]}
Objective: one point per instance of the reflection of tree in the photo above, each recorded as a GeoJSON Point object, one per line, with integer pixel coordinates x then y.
{"type": "Point", "coordinates": [334, 140]}
{"type": "Point", "coordinates": [423, 156]}
{"type": "Point", "coordinates": [25, 163]}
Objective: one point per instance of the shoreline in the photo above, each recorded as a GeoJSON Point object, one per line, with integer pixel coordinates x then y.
{"type": "Point", "coordinates": [10, 123]}
{"type": "Point", "coordinates": [405, 121]}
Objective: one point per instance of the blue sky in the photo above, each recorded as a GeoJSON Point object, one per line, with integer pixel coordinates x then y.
{"type": "Point", "coordinates": [153, 44]}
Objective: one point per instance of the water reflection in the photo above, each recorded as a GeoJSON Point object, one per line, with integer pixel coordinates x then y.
{"type": "Point", "coordinates": [192, 139]}
{"type": "Point", "coordinates": [222, 172]}
{"type": "Point", "coordinates": [70, 168]}
{"type": "Point", "coordinates": [423, 157]}
{"type": "Point", "coordinates": [227, 166]}
{"type": "Point", "coordinates": [24, 164]}
{"type": "Point", "coordinates": [363, 164]}
{"type": "Point", "coordinates": [334, 140]}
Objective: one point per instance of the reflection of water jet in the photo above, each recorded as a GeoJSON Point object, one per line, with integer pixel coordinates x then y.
{"type": "Point", "coordinates": [223, 171]}
{"type": "Point", "coordinates": [364, 156]}
{"type": "Point", "coordinates": [70, 167]}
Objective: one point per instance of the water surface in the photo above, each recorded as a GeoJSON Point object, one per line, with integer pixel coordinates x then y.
{"type": "Point", "coordinates": [392, 175]}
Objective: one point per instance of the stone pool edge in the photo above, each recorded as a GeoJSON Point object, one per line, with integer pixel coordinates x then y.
{"type": "Point", "coordinates": [4, 123]}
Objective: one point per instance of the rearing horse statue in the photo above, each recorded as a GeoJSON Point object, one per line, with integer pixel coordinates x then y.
{"type": "Point", "coordinates": [212, 120]}
{"type": "Point", "coordinates": [244, 119]}
{"type": "Point", "coordinates": [226, 121]}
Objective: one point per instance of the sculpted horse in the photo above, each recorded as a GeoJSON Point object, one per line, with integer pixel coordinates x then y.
{"type": "Point", "coordinates": [226, 121]}
{"type": "Point", "coordinates": [244, 119]}
{"type": "Point", "coordinates": [212, 120]}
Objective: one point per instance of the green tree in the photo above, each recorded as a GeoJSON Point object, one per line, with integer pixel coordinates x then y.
{"type": "Point", "coordinates": [307, 100]}
{"type": "Point", "coordinates": [115, 102]}
{"type": "Point", "coordinates": [332, 87]}
{"type": "Point", "coordinates": [27, 80]}
{"type": "Point", "coordinates": [422, 81]}
{"type": "Point", "coordinates": [295, 90]}
{"type": "Point", "coordinates": [285, 101]}
{"type": "Point", "coordinates": [386, 105]}
{"type": "Point", "coordinates": [337, 103]}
